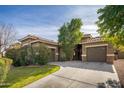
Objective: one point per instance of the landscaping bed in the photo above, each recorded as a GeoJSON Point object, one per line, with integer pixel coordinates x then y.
{"type": "Point", "coordinates": [119, 66]}
{"type": "Point", "coordinates": [21, 76]}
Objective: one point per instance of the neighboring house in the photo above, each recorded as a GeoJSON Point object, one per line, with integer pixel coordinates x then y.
{"type": "Point", "coordinates": [90, 49]}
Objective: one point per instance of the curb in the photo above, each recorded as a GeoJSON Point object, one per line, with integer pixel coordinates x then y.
{"type": "Point", "coordinates": [115, 72]}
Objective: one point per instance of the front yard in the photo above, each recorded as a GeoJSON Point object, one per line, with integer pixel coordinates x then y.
{"type": "Point", "coordinates": [21, 76]}
{"type": "Point", "coordinates": [119, 66]}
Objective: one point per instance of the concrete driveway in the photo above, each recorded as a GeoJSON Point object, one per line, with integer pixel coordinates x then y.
{"type": "Point", "coordinates": [76, 74]}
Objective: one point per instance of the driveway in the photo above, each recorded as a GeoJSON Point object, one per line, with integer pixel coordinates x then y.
{"type": "Point", "coordinates": [76, 74]}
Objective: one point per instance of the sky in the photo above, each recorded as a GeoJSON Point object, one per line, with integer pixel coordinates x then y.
{"type": "Point", "coordinates": [44, 21]}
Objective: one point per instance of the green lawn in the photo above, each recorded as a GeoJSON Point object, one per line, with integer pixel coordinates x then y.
{"type": "Point", "coordinates": [21, 76]}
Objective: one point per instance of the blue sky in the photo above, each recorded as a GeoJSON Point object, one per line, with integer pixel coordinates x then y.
{"type": "Point", "coordinates": [45, 21]}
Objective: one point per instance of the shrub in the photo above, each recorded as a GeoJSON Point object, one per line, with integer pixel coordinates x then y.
{"type": "Point", "coordinates": [109, 84]}
{"type": "Point", "coordinates": [13, 54]}
{"type": "Point", "coordinates": [18, 55]}
{"type": "Point", "coordinates": [5, 64]}
{"type": "Point", "coordinates": [42, 54]}
{"type": "Point", "coordinates": [30, 55]}
{"type": "Point", "coordinates": [62, 56]}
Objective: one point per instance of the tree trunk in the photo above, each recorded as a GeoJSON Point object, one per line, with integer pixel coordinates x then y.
{"type": "Point", "coordinates": [1, 55]}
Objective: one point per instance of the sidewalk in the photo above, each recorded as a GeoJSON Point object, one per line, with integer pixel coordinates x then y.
{"type": "Point", "coordinates": [119, 66]}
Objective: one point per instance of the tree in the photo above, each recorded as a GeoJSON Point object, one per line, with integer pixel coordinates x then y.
{"type": "Point", "coordinates": [7, 36]}
{"type": "Point", "coordinates": [111, 24]}
{"type": "Point", "coordinates": [69, 36]}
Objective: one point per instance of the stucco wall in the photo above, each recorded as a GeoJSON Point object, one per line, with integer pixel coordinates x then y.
{"type": "Point", "coordinates": [120, 55]}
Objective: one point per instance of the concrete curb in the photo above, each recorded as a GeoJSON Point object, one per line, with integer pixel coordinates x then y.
{"type": "Point", "coordinates": [115, 72]}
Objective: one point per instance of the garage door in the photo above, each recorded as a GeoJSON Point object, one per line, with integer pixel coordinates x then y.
{"type": "Point", "coordinates": [96, 54]}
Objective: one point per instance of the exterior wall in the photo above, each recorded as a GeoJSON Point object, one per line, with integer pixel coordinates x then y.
{"type": "Point", "coordinates": [16, 46]}
{"type": "Point", "coordinates": [35, 41]}
{"type": "Point", "coordinates": [109, 55]}
{"type": "Point", "coordinates": [27, 41]}
{"type": "Point", "coordinates": [120, 55]}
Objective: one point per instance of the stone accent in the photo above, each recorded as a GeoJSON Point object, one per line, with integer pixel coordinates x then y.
{"type": "Point", "coordinates": [110, 59]}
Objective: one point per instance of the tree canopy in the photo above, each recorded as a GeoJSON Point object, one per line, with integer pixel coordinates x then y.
{"type": "Point", "coordinates": [69, 36]}
{"type": "Point", "coordinates": [111, 23]}
{"type": "Point", "coordinates": [7, 36]}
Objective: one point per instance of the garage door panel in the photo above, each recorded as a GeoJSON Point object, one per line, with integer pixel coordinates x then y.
{"type": "Point", "coordinates": [96, 54]}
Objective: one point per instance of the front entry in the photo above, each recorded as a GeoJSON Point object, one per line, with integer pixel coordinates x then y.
{"type": "Point", "coordinates": [52, 55]}
{"type": "Point", "coordinates": [78, 52]}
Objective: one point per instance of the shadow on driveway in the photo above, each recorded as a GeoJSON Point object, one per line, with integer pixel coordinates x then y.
{"type": "Point", "coordinates": [98, 66]}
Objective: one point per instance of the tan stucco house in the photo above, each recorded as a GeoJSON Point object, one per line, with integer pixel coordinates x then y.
{"type": "Point", "coordinates": [93, 49]}
{"type": "Point", "coordinates": [35, 41]}
{"type": "Point", "coordinates": [90, 49]}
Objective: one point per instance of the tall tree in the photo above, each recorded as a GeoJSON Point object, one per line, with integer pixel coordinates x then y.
{"type": "Point", "coordinates": [7, 36]}
{"type": "Point", "coordinates": [111, 23]}
{"type": "Point", "coordinates": [69, 36]}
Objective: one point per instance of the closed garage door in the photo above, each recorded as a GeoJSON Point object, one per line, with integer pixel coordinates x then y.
{"type": "Point", "coordinates": [96, 54]}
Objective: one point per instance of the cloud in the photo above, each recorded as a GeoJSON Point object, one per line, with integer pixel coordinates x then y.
{"type": "Point", "coordinates": [49, 32]}
{"type": "Point", "coordinates": [89, 27]}
{"type": "Point", "coordinates": [89, 16]}
{"type": "Point", "coordinates": [87, 13]}
{"type": "Point", "coordinates": [45, 21]}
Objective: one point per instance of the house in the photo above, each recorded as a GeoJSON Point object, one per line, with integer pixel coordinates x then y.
{"type": "Point", "coordinates": [94, 50]}
{"type": "Point", "coordinates": [35, 41]}
{"type": "Point", "coordinates": [90, 49]}
{"type": "Point", "coordinates": [97, 50]}
{"type": "Point", "coordinates": [15, 45]}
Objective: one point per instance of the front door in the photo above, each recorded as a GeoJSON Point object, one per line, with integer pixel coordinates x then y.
{"type": "Point", "coordinates": [78, 52]}
{"type": "Point", "coordinates": [52, 54]}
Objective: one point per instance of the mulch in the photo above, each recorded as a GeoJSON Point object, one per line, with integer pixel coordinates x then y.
{"type": "Point", "coordinates": [119, 66]}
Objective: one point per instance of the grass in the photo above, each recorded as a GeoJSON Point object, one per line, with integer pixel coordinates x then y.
{"type": "Point", "coordinates": [21, 76]}
{"type": "Point", "coordinates": [5, 64]}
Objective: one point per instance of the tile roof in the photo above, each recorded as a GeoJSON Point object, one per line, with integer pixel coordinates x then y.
{"type": "Point", "coordinates": [38, 39]}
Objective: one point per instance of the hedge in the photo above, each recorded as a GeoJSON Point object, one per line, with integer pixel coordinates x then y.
{"type": "Point", "coordinates": [29, 55]}
{"type": "Point", "coordinates": [5, 64]}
